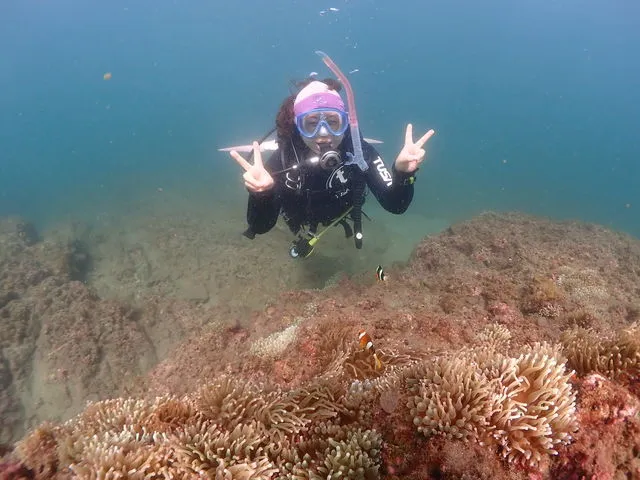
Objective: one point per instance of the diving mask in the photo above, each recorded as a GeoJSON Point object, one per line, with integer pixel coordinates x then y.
{"type": "Point", "coordinates": [322, 122]}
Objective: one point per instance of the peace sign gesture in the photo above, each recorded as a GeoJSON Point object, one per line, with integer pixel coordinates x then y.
{"type": "Point", "coordinates": [256, 177]}
{"type": "Point", "coordinates": [412, 154]}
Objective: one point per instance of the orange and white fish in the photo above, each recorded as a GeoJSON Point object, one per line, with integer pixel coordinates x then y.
{"type": "Point", "coordinates": [366, 344]}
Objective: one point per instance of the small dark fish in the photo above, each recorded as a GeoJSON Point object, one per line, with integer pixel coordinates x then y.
{"type": "Point", "coordinates": [380, 275]}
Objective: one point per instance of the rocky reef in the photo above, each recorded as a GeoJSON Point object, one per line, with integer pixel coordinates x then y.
{"type": "Point", "coordinates": [508, 348]}
{"type": "Point", "coordinates": [60, 343]}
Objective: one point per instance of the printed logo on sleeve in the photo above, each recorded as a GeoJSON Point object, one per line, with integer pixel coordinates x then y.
{"type": "Point", "coordinates": [383, 172]}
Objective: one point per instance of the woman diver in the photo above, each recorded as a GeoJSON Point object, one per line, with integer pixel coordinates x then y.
{"type": "Point", "coordinates": [320, 171]}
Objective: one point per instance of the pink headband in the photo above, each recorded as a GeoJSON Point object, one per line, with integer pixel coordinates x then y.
{"type": "Point", "coordinates": [317, 95]}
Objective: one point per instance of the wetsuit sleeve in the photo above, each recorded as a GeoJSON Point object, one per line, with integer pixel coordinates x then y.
{"type": "Point", "coordinates": [393, 190]}
{"type": "Point", "coordinates": [264, 207]}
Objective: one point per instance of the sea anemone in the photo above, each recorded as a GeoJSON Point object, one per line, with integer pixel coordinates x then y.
{"type": "Point", "coordinates": [611, 355]}
{"type": "Point", "coordinates": [524, 405]}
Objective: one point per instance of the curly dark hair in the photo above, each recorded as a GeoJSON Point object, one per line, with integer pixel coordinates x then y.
{"type": "Point", "coordinates": [285, 119]}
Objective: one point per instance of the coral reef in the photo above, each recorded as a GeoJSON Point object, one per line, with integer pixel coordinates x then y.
{"type": "Point", "coordinates": [521, 408]}
{"type": "Point", "coordinates": [60, 343]}
{"type": "Point", "coordinates": [525, 405]}
{"type": "Point", "coordinates": [478, 336]}
{"type": "Point", "coordinates": [591, 351]}
{"type": "Point", "coordinates": [227, 429]}
{"type": "Point", "coordinates": [14, 471]}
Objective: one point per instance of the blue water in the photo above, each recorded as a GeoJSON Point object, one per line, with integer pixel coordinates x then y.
{"type": "Point", "coordinates": [535, 103]}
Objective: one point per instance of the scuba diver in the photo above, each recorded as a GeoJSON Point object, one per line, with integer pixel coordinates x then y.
{"type": "Point", "coordinates": [319, 173]}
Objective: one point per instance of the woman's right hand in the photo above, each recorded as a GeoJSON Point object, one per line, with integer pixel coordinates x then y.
{"type": "Point", "coordinates": [256, 177]}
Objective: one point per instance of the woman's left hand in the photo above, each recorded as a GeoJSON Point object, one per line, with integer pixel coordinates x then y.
{"type": "Point", "coordinates": [412, 154]}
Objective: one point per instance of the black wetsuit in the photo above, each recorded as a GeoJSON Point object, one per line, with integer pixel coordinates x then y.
{"type": "Point", "coordinates": [309, 196]}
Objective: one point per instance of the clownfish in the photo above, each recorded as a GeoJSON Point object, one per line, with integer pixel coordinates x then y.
{"type": "Point", "coordinates": [366, 344]}
{"type": "Point", "coordinates": [380, 275]}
